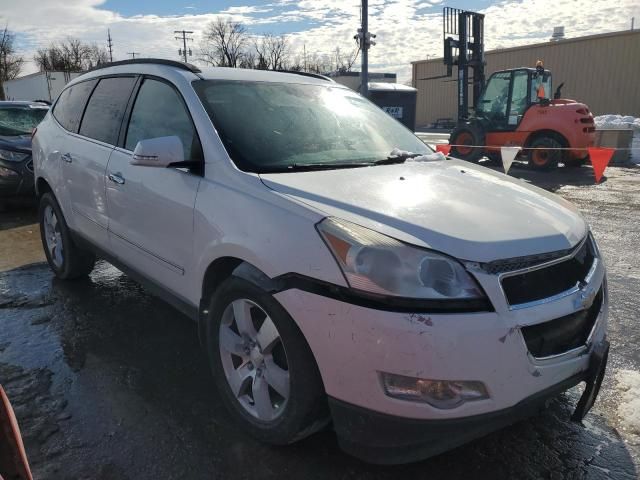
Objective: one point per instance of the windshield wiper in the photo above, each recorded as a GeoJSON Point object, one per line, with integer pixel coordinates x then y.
{"type": "Point", "coordinates": [391, 159]}
{"type": "Point", "coordinates": [302, 167]}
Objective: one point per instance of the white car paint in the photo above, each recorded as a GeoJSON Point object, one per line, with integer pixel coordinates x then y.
{"type": "Point", "coordinates": [467, 211]}
{"type": "Point", "coordinates": [171, 225]}
{"type": "Point", "coordinates": [83, 164]}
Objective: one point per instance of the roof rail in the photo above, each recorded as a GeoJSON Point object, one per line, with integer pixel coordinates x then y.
{"type": "Point", "coordinates": [308, 74]}
{"type": "Point", "coordinates": [154, 61]}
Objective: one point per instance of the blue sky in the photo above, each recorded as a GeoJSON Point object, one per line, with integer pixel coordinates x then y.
{"type": "Point", "coordinates": [407, 30]}
{"type": "Point", "coordinates": [195, 7]}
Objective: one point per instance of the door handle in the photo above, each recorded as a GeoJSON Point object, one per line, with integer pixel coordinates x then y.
{"type": "Point", "coordinates": [66, 157]}
{"type": "Point", "coordinates": [116, 178]}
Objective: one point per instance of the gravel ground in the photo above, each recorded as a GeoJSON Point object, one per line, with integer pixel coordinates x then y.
{"type": "Point", "coordinates": [109, 382]}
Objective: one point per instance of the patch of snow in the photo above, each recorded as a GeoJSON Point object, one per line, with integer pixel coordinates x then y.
{"type": "Point", "coordinates": [432, 157]}
{"type": "Point", "coordinates": [605, 122]}
{"type": "Point", "coordinates": [628, 386]}
{"type": "Point", "coordinates": [396, 152]}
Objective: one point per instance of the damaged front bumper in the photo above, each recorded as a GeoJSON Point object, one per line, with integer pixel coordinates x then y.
{"type": "Point", "coordinates": [385, 439]}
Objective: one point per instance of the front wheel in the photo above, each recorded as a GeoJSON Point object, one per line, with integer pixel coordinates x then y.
{"type": "Point", "coordinates": [467, 143]}
{"type": "Point", "coordinates": [262, 366]}
{"type": "Point", "coordinates": [66, 259]}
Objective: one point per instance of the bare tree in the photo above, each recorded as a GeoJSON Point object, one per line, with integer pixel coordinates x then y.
{"type": "Point", "coordinates": [248, 60]}
{"type": "Point", "coordinates": [317, 63]}
{"type": "Point", "coordinates": [71, 55]}
{"type": "Point", "coordinates": [344, 62]}
{"type": "Point", "coordinates": [261, 54]}
{"type": "Point", "coordinates": [272, 52]}
{"type": "Point", "coordinates": [10, 62]}
{"type": "Point", "coordinates": [277, 51]}
{"type": "Point", "coordinates": [224, 43]}
{"type": "Point", "coordinates": [98, 55]}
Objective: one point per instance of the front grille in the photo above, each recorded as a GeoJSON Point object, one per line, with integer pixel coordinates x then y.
{"type": "Point", "coordinates": [520, 263]}
{"type": "Point", "coordinates": [29, 166]}
{"type": "Point", "coordinates": [552, 280]}
{"type": "Point", "coordinates": [564, 333]}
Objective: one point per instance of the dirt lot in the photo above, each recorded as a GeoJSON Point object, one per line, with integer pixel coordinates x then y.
{"type": "Point", "coordinates": [109, 383]}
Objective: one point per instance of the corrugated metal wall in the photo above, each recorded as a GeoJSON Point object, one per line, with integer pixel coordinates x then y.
{"type": "Point", "coordinates": [602, 71]}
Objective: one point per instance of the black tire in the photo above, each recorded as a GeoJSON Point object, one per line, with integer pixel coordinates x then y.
{"type": "Point", "coordinates": [467, 134]}
{"type": "Point", "coordinates": [545, 159]}
{"type": "Point", "coordinates": [76, 262]}
{"type": "Point", "coordinates": [306, 410]}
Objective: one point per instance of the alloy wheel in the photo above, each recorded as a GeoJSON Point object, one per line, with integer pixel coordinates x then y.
{"type": "Point", "coordinates": [254, 360]}
{"type": "Point", "coordinates": [53, 236]}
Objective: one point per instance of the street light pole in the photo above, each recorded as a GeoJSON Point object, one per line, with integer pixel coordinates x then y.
{"type": "Point", "coordinates": [364, 74]}
{"type": "Point", "coordinates": [365, 40]}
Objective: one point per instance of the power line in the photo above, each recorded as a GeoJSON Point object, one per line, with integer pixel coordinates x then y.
{"type": "Point", "coordinates": [133, 54]}
{"type": "Point", "coordinates": [110, 45]}
{"type": "Point", "coordinates": [184, 37]}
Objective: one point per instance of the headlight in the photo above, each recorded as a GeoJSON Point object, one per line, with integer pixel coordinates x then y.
{"type": "Point", "coordinates": [375, 263]}
{"type": "Point", "coordinates": [11, 156]}
{"type": "Point", "coordinates": [7, 172]}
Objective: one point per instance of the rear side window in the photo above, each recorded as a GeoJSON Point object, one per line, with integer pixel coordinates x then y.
{"type": "Point", "coordinates": [70, 105]}
{"type": "Point", "coordinates": [160, 112]}
{"type": "Point", "coordinates": [105, 110]}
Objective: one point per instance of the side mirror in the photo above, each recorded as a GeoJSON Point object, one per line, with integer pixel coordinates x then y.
{"type": "Point", "coordinates": [158, 152]}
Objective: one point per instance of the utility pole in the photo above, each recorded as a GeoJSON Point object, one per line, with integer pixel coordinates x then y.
{"type": "Point", "coordinates": [110, 45]}
{"type": "Point", "coordinates": [365, 40]}
{"type": "Point", "coordinates": [133, 54]}
{"type": "Point", "coordinates": [304, 49]}
{"type": "Point", "coordinates": [184, 37]}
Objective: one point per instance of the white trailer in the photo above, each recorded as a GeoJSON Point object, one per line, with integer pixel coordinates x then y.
{"type": "Point", "coordinates": [37, 86]}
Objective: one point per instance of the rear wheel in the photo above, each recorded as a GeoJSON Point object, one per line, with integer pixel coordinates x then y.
{"type": "Point", "coordinates": [66, 259]}
{"type": "Point", "coordinates": [544, 153]}
{"type": "Point", "coordinates": [465, 140]}
{"type": "Point", "coordinates": [262, 365]}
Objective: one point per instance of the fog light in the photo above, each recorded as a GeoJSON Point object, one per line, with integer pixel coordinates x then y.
{"type": "Point", "coordinates": [7, 172]}
{"type": "Point", "coordinates": [443, 394]}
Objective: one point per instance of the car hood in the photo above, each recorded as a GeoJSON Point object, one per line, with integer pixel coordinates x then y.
{"type": "Point", "coordinates": [464, 210]}
{"type": "Point", "coordinates": [19, 142]}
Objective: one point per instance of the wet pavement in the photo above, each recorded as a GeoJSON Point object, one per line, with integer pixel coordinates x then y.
{"type": "Point", "coordinates": [109, 382]}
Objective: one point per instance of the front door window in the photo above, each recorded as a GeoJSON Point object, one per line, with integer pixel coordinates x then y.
{"type": "Point", "coordinates": [494, 101]}
{"type": "Point", "coordinates": [519, 97]}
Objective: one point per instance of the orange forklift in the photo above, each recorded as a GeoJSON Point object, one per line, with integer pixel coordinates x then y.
{"type": "Point", "coordinates": [514, 108]}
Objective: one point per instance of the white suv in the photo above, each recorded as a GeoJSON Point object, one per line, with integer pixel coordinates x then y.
{"type": "Point", "coordinates": [338, 269]}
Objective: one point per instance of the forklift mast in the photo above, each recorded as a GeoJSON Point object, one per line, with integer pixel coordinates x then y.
{"type": "Point", "coordinates": [463, 34]}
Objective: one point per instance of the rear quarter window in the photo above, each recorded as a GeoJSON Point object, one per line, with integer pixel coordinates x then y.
{"type": "Point", "coordinates": [103, 117]}
{"type": "Point", "coordinates": [70, 105]}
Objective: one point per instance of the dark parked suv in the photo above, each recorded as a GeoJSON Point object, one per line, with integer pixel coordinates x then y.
{"type": "Point", "coordinates": [17, 121]}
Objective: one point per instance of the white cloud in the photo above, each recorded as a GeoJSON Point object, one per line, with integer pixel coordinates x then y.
{"type": "Point", "coordinates": [245, 9]}
{"type": "Point", "coordinates": [407, 29]}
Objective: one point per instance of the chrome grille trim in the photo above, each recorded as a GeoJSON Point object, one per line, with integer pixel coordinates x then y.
{"type": "Point", "coordinates": [526, 263]}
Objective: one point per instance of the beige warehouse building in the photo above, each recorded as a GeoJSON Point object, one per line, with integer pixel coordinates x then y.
{"type": "Point", "coordinates": [602, 71]}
